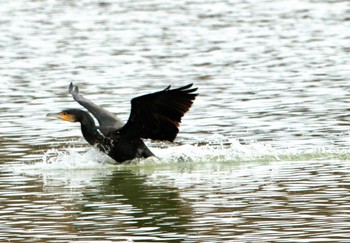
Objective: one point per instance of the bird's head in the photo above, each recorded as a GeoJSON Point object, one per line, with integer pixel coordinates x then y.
{"type": "Point", "coordinates": [71, 115]}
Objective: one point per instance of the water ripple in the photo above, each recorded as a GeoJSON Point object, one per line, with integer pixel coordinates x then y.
{"type": "Point", "coordinates": [261, 157]}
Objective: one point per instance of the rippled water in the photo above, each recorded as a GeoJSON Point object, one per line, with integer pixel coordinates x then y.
{"type": "Point", "coordinates": [262, 156]}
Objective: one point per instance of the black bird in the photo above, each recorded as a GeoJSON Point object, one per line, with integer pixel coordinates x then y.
{"type": "Point", "coordinates": [156, 116]}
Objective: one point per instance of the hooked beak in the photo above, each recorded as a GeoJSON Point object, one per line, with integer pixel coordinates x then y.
{"type": "Point", "coordinates": [56, 115]}
{"type": "Point", "coordinates": [62, 116]}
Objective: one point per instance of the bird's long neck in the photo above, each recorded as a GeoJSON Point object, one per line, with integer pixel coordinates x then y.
{"type": "Point", "coordinates": [89, 129]}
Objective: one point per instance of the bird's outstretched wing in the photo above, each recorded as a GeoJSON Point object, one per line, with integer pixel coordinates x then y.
{"type": "Point", "coordinates": [158, 115]}
{"type": "Point", "coordinates": [108, 122]}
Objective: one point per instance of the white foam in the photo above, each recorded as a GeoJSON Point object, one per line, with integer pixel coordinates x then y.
{"type": "Point", "coordinates": [217, 149]}
{"type": "Point", "coordinates": [72, 168]}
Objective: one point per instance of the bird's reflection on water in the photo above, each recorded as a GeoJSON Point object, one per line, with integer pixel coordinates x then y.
{"type": "Point", "coordinates": [136, 205]}
{"type": "Point", "coordinates": [123, 202]}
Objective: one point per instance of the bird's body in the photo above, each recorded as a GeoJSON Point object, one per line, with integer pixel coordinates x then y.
{"type": "Point", "coordinates": [156, 116]}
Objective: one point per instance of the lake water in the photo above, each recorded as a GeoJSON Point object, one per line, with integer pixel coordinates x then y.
{"type": "Point", "coordinates": [262, 156]}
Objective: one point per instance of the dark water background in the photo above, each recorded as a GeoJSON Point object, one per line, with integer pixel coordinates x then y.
{"type": "Point", "coordinates": [261, 157]}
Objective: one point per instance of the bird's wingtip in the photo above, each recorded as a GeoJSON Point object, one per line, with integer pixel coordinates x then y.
{"type": "Point", "coordinates": [71, 87]}
{"type": "Point", "coordinates": [190, 89]}
{"type": "Point", "coordinates": [73, 90]}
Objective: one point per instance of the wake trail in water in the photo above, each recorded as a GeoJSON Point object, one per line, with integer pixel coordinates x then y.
{"type": "Point", "coordinates": [216, 150]}
{"type": "Point", "coordinates": [74, 168]}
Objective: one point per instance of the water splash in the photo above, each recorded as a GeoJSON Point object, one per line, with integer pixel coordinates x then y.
{"type": "Point", "coordinates": [217, 149]}
{"type": "Point", "coordinates": [236, 152]}
{"type": "Point", "coordinates": [72, 159]}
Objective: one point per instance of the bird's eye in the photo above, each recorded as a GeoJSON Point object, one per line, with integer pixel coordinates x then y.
{"type": "Point", "coordinates": [64, 113]}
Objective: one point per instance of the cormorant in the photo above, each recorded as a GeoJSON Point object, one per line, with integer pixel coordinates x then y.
{"type": "Point", "coordinates": [156, 116]}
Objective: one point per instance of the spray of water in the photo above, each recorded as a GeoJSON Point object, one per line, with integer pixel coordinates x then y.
{"type": "Point", "coordinates": [217, 149]}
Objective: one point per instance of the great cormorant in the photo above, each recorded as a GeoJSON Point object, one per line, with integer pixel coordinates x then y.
{"type": "Point", "coordinates": [156, 116]}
